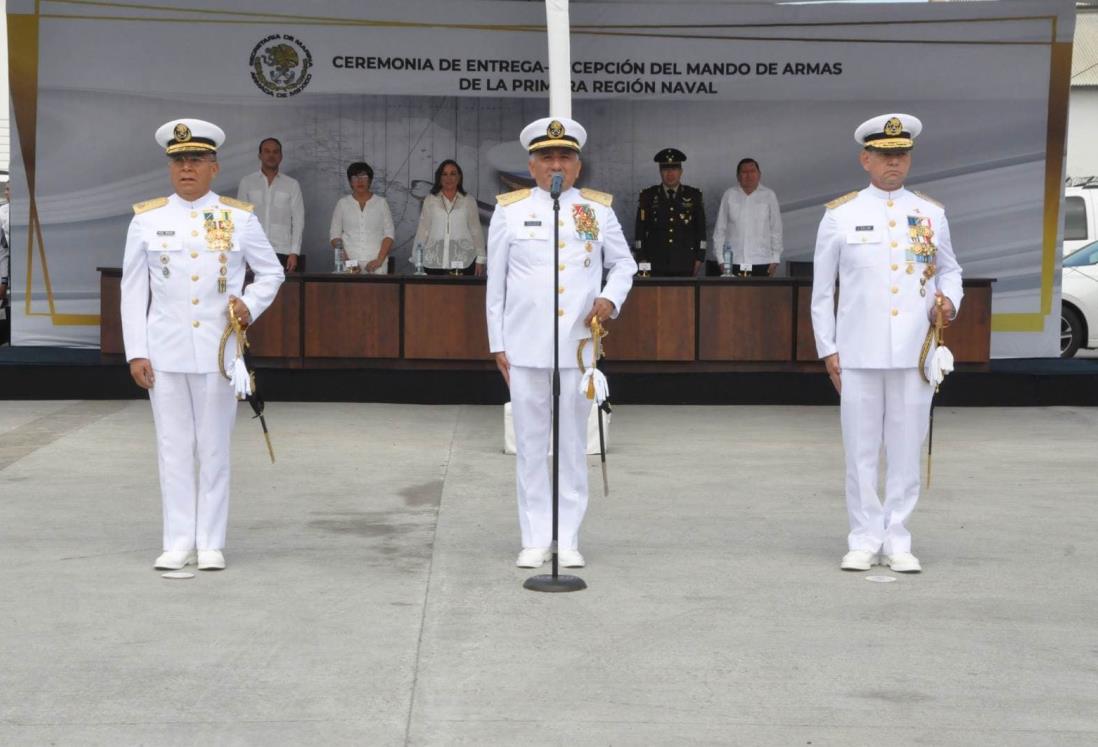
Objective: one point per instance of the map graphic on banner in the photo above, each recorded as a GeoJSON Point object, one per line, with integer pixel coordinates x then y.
{"type": "Point", "coordinates": [406, 85]}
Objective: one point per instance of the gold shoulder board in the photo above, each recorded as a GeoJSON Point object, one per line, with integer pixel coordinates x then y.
{"type": "Point", "coordinates": [602, 198]}
{"type": "Point", "coordinates": [238, 204]}
{"type": "Point", "coordinates": [509, 198]}
{"type": "Point", "coordinates": [841, 200]}
{"type": "Point", "coordinates": [929, 199]}
{"type": "Point", "coordinates": [147, 205]}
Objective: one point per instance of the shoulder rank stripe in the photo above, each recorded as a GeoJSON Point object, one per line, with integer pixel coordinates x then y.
{"type": "Point", "coordinates": [147, 205]}
{"type": "Point", "coordinates": [929, 199]}
{"type": "Point", "coordinates": [509, 198]}
{"type": "Point", "coordinates": [594, 195]}
{"type": "Point", "coordinates": [238, 204]}
{"type": "Point", "coordinates": [841, 200]}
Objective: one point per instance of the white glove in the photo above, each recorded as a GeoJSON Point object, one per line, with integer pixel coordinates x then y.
{"type": "Point", "coordinates": [602, 386]}
{"type": "Point", "coordinates": [242, 382]}
{"type": "Point", "coordinates": [939, 364]}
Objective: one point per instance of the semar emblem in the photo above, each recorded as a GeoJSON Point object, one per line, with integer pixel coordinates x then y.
{"type": "Point", "coordinates": [555, 130]}
{"type": "Point", "coordinates": [281, 65]}
{"type": "Point", "coordinates": [893, 127]}
{"type": "Point", "coordinates": [181, 133]}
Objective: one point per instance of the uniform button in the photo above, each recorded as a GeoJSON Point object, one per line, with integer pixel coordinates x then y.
{"type": "Point", "coordinates": [194, 255]}
{"type": "Point", "coordinates": [560, 289]}
{"type": "Point", "coordinates": [895, 289]}
{"type": "Point", "coordinates": [194, 301]}
{"type": "Point", "coordinates": [890, 203]}
{"type": "Point", "coordinates": [895, 267]}
{"type": "Point", "coordinates": [194, 214]}
{"type": "Point", "coordinates": [194, 233]}
{"type": "Point", "coordinates": [895, 312]}
{"type": "Point", "coordinates": [195, 323]}
{"type": "Point", "coordinates": [894, 244]}
{"type": "Point", "coordinates": [194, 278]}
{"type": "Point", "coordinates": [560, 312]}
{"type": "Point", "coordinates": [562, 267]}
{"type": "Point", "coordinates": [165, 245]}
{"type": "Point", "coordinates": [892, 224]}
{"type": "Point", "coordinates": [560, 223]}
{"type": "Point", "coordinates": [561, 244]}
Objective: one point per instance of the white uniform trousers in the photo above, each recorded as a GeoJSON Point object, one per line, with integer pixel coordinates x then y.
{"type": "Point", "coordinates": [531, 407]}
{"type": "Point", "coordinates": [194, 416]}
{"type": "Point", "coordinates": [893, 404]}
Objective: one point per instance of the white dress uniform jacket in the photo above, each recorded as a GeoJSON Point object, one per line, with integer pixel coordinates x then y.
{"type": "Point", "coordinates": [880, 245]}
{"type": "Point", "coordinates": [279, 207]}
{"type": "Point", "coordinates": [751, 225]}
{"type": "Point", "coordinates": [519, 299]}
{"type": "Point", "coordinates": [168, 255]}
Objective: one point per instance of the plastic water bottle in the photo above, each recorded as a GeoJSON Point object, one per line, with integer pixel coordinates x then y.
{"type": "Point", "coordinates": [418, 252]}
{"type": "Point", "coordinates": [337, 256]}
{"type": "Point", "coordinates": [727, 261]}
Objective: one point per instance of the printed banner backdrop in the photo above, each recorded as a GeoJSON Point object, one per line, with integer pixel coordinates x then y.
{"type": "Point", "coordinates": [404, 85]}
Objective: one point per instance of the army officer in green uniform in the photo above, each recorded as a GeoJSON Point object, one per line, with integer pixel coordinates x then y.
{"type": "Point", "coordinates": [670, 232]}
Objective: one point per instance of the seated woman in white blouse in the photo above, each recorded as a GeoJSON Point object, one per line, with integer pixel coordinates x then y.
{"type": "Point", "coordinates": [362, 223]}
{"type": "Point", "coordinates": [449, 226]}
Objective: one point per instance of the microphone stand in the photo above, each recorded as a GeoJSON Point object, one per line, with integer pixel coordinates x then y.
{"type": "Point", "coordinates": [555, 582]}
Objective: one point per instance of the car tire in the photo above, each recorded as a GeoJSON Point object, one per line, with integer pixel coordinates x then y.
{"type": "Point", "coordinates": [1071, 331]}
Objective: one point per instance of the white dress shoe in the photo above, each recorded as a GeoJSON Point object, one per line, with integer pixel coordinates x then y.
{"type": "Point", "coordinates": [211, 560]}
{"type": "Point", "coordinates": [532, 557]}
{"type": "Point", "coordinates": [858, 560]}
{"type": "Point", "coordinates": [570, 559]}
{"type": "Point", "coordinates": [904, 562]}
{"type": "Point", "coordinates": [173, 560]}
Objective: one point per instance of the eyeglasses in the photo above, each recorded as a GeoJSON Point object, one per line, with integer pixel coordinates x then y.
{"type": "Point", "coordinates": [192, 161]}
{"type": "Point", "coordinates": [361, 177]}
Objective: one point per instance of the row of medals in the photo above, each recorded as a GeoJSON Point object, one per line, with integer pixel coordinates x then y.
{"type": "Point", "coordinates": [922, 246]}
{"type": "Point", "coordinates": [219, 238]}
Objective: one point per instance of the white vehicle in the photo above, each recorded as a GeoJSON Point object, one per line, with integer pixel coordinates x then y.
{"type": "Point", "coordinates": [1080, 213]}
{"type": "Point", "coordinates": [1079, 301]}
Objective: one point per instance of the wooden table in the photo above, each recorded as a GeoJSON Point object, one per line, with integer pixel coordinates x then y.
{"type": "Point", "coordinates": [324, 319]}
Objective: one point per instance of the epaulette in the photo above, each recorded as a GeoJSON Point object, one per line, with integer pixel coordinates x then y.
{"type": "Point", "coordinates": [594, 195]}
{"type": "Point", "coordinates": [929, 199]}
{"type": "Point", "coordinates": [147, 205]}
{"type": "Point", "coordinates": [841, 200]}
{"type": "Point", "coordinates": [238, 204]}
{"type": "Point", "coordinates": [509, 198]}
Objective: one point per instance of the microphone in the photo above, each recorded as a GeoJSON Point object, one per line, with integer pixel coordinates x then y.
{"type": "Point", "coordinates": [556, 185]}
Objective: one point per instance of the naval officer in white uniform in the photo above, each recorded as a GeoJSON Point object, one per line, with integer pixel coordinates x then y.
{"type": "Point", "coordinates": [520, 332]}
{"type": "Point", "coordinates": [188, 252]}
{"type": "Point", "coordinates": [891, 251]}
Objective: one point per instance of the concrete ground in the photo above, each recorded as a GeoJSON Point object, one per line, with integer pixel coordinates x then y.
{"type": "Point", "coordinates": [371, 597]}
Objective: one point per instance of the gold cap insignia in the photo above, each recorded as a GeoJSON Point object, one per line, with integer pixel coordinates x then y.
{"type": "Point", "coordinates": [182, 133]}
{"type": "Point", "coordinates": [893, 127]}
{"type": "Point", "coordinates": [555, 130]}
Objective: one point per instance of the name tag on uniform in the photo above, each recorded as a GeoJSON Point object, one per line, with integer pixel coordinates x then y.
{"type": "Point", "coordinates": [530, 223]}
{"type": "Point", "coordinates": [863, 228]}
{"type": "Point", "coordinates": [165, 233]}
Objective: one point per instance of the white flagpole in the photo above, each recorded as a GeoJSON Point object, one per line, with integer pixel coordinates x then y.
{"type": "Point", "coordinates": [560, 58]}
